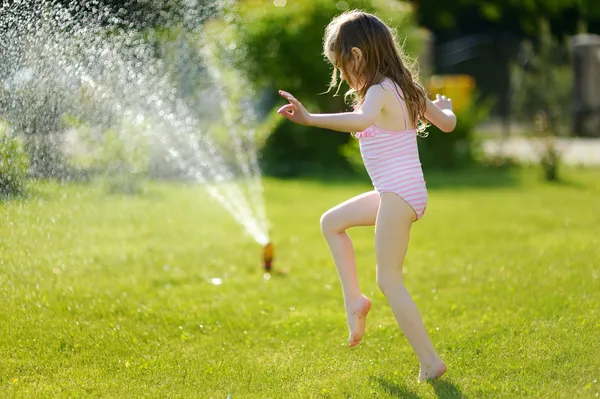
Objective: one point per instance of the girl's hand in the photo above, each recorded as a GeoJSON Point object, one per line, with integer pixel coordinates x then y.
{"type": "Point", "coordinates": [294, 111]}
{"type": "Point", "coordinates": [442, 102]}
{"type": "Point", "coordinates": [439, 112]}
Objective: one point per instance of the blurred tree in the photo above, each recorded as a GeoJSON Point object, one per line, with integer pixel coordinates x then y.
{"type": "Point", "coordinates": [543, 94]}
{"type": "Point", "coordinates": [520, 17]}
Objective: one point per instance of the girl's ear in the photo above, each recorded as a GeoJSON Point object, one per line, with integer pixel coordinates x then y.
{"type": "Point", "coordinates": [356, 54]}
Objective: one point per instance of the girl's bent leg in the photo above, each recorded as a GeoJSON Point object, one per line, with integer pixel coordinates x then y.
{"type": "Point", "coordinates": [358, 211]}
{"type": "Point", "coordinates": [392, 233]}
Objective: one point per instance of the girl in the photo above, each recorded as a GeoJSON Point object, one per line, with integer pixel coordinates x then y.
{"type": "Point", "coordinates": [389, 105]}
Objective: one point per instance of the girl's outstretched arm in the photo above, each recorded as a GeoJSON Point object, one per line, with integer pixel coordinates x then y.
{"type": "Point", "coordinates": [355, 121]}
{"type": "Point", "coordinates": [439, 112]}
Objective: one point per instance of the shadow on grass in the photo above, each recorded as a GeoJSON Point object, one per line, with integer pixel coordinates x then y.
{"type": "Point", "coordinates": [446, 390]}
{"type": "Point", "coordinates": [443, 389]}
{"type": "Point", "coordinates": [394, 389]}
{"type": "Point", "coordinates": [566, 182]}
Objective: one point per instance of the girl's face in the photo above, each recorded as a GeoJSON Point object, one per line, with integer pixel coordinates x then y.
{"type": "Point", "coordinates": [353, 66]}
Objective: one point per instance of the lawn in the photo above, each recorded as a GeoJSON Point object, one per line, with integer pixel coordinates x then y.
{"type": "Point", "coordinates": [111, 296]}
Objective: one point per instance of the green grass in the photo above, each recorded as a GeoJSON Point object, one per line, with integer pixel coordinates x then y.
{"type": "Point", "coordinates": [110, 296]}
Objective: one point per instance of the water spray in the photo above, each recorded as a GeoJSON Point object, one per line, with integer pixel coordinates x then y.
{"type": "Point", "coordinates": [118, 83]}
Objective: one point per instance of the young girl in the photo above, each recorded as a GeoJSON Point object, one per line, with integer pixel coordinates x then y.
{"type": "Point", "coordinates": [389, 106]}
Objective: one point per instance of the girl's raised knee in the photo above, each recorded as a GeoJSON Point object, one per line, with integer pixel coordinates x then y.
{"type": "Point", "coordinates": [329, 224]}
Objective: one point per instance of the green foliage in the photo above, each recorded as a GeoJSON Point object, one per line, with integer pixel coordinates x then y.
{"type": "Point", "coordinates": [543, 80]}
{"type": "Point", "coordinates": [119, 156]}
{"type": "Point", "coordinates": [517, 16]}
{"type": "Point", "coordinates": [458, 148]}
{"type": "Point", "coordinates": [281, 48]}
{"type": "Point", "coordinates": [14, 164]}
{"type": "Point", "coordinates": [34, 113]}
{"type": "Point", "coordinates": [543, 87]}
{"type": "Point", "coordinates": [123, 164]}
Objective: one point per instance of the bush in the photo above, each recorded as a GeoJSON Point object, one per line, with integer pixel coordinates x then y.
{"type": "Point", "coordinates": [459, 148]}
{"type": "Point", "coordinates": [14, 164]}
{"type": "Point", "coordinates": [119, 157]}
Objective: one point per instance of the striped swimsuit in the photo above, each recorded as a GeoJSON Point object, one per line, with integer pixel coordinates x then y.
{"type": "Point", "coordinates": [391, 159]}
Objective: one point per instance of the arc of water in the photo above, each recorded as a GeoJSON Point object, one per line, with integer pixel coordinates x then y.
{"type": "Point", "coordinates": [73, 39]}
{"type": "Point", "coordinates": [249, 160]}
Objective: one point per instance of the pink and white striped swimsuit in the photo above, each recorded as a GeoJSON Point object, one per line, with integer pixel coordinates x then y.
{"type": "Point", "coordinates": [391, 159]}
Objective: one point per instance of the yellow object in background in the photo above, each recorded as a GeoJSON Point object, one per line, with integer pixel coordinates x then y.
{"type": "Point", "coordinates": [457, 87]}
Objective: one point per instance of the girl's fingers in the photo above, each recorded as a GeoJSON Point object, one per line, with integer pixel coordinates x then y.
{"type": "Point", "coordinates": [287, 115]}
{"type": "Point", "coordinates": [286, 109]}
{"type": "Point", "coordinates": [293, 100]}
{"type": "Point", "coordinates": [290, 98]}
{"type": "Point", "coordinates": [286, 95]}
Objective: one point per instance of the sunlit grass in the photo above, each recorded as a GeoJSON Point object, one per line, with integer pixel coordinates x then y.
{"type": "Point", "coordinates": [108, 295]}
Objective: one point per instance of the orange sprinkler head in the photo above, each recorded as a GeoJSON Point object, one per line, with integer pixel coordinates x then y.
{"type": "Point", "coordinates": [268, 256]}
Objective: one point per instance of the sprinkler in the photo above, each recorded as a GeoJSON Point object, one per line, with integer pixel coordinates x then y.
{"type": "Point", "coordinates": [268, 257]}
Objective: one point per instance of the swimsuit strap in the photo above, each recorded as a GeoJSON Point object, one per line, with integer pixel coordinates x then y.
{"type": "Point", "coordinates": [400, 99]}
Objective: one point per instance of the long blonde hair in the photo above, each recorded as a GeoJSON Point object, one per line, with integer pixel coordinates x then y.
{"type": "Point", "coordinates": [382, 57]}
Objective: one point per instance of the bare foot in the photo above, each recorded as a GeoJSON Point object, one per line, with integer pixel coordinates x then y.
{"type": "Point", "coordinates": [357, 319]}
{"type": "Point", "coordinates": [432, 371]}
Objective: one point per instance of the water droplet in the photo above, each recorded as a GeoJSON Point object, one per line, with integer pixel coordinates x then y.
{"type": "Point", "coordinates": [267, 276]}
{"type": "Point", "coordinates": [292, 309]}
{"type": "Point", "coordinates": [216, 281]}
{"type": "Point", "coordinates": [200, 325]}
{"type": "Point", "coordinates": [342, 5]}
